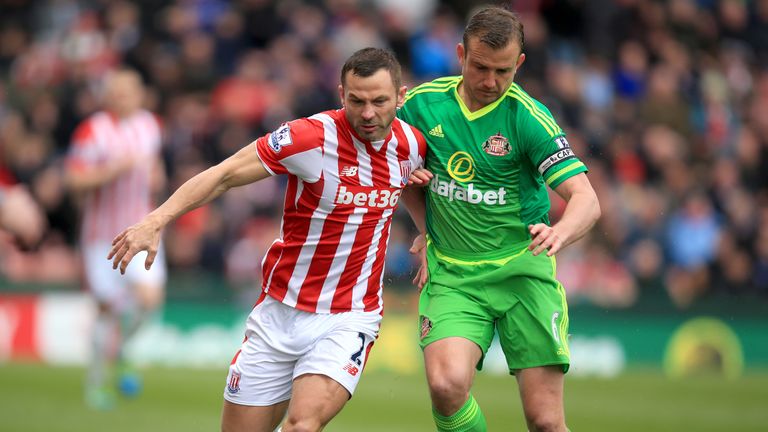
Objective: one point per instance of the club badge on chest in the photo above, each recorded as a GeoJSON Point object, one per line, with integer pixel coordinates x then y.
{"type": "Point", "coordinates": [496, 145]}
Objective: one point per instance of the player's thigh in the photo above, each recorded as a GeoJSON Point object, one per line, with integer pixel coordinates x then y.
{"type": "Point", "coordinates": [447, 309]}
{"type": "Point", "coordinates": [342, 351]}
{"type": "Point", "coordinates": [327, 375]}
{"type": "Point", "coordinates": [105, 284]}
{"type": "Point", "coordinates": [316, 400]}
{"type": "Point", "coordinates": [456, 330]}
{"type": "Point", "coordinates": [262, 369]}
{"type": "Point", "coordinates": [244, 418]}
{"type": "Point", "coordinates": [534, 332]}
{"type": "Point", "coordinates": [541, 393]}
{"type": "Point", "coordinates": [148, 285]}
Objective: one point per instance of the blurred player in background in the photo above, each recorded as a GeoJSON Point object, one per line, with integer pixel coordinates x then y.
{"type": "Point", "coordinates": [492, 151]}
{"type": "Point", "coordinates": [114, 165]}
{"type": "Point", "coordinates": [309, 334]}
{"type": "Point", "coordinates": [20, 215]}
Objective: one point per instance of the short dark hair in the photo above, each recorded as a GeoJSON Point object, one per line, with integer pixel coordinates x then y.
{"type": "Point", "coordinates": [368, 61]}
{"type": "Point", "coordinates": [495, 26]}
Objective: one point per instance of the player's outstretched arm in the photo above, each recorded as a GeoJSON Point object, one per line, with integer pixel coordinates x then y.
{"type": "Point", "coordinates": [241, 168]}
{"type": "Point", "coordinates": [581, 212]}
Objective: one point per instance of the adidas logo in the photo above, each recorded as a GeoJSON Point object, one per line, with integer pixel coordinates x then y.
{"type": "Point", "coordinates": [437, 131]}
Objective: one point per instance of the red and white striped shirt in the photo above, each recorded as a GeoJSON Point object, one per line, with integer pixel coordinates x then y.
{"type": "Point", "coordinates": [342, 191]}
{"type": "Point", "coordinates": [101, 139]}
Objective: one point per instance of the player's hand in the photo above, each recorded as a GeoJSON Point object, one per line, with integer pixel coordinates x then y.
{"type": "Point", "coordinates": [420, 177]}
{"type": "Point", "coordinates": [419, 247]}
{"type": "Point", "coordinates": [128, 162]}
{"type": "Point", "coordinates": [544, 237]}
{"type": "Point", "coordinates": [122, 165]}
{"type": "Point", "coordinates": [143, 236]}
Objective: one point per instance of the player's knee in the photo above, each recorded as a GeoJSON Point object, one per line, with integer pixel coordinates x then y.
{"type": "Point", "coordinates": [545, 422]}
{"type": "Point", "coordinates": [149, 297]}
{"type": "Point", "coordinates": [449, 387]}
{"type": "Point", "coordinates": [294, 423]}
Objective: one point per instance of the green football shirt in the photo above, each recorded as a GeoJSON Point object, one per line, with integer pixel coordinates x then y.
{"type": "Point", "coordinates": [491, 167]}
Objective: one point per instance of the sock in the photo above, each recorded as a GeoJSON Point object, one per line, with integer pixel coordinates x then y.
{"type": "Point", "coordinates": [132, 320]}
{"type": "Point", "coordinates": [469, 418]}
{"type": "Point", "coordinates": [102, 339]}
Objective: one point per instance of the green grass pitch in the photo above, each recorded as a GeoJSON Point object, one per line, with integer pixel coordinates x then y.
{"type": "Point", "coordinates": [37, 398]}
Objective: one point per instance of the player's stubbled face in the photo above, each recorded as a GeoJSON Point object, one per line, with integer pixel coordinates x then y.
{"type": "Point", "coordinates": [487, 72]}
{"type": "Point", "coordinates": [124, 94]}
{"type": "Point", "coordinates": [371, 103]}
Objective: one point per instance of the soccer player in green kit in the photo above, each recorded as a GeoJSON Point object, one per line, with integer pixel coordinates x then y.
{"type": "Point", "coordinates": [490, 249]}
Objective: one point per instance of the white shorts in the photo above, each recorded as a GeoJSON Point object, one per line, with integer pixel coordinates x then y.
{"type": "Point", "coordinates": [282, 343]}
{"type": "Point", "coordinates": [109, 286]}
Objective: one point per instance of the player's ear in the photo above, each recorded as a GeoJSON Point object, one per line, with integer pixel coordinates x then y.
{"type": "Point", "coordinates": [520, 61]}
{"type": "Point", "coordinates": [401, 96]}
{"type": "Point", "coordinates": [341, 95]}
{"type": "Point", "coordinates": [460, 51]}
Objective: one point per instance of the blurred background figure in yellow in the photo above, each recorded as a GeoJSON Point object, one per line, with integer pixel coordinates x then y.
{"type": "Point", "coordinates": [114, 165]}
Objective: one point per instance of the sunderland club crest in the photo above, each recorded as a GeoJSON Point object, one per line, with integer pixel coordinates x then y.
{"type": "Point", "coordinates": [426, 326]}
{"type": "Point", "coordinates": [496, 145]}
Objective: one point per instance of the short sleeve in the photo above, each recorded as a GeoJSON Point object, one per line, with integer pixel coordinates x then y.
{"type": "Point", "coordinates": [294, 148]}
{"type": "Point", "coordinates": [83, 149]}
{"type": "Point", "coordinates": [546, 146]}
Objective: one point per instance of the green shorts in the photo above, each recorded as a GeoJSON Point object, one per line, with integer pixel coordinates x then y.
{"type": "Point", "coordinates": [518, 296]}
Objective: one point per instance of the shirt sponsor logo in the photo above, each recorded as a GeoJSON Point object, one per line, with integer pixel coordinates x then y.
{"type": "Point", "coordinates": [280, 138]}
{"type": "Point", "coordinates": [496, 145]}
{"type": "Point", "coordinates": [461, 166]}
{"type": "Point", "coordinates": [363, 196]}
{"type": "Point", "coordinates": [559, 156]}
{"type": "Point", "coordinates": [470, 194]}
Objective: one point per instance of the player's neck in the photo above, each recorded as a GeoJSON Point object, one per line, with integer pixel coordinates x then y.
{"type": "Point", "coordinates": [470, 103]}
{"type": "Point", "coordinates": [121, 114]}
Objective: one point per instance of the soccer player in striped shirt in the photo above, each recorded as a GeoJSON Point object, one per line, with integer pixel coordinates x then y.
{"type": "Point", "coordinates": [114, 166]}
{"type": "Point", "coordinates": [309, 334]}
{"type": "Point", "coordinates": [492, 152]}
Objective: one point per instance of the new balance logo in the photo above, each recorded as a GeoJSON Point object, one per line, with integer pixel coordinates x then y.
{"type": "Point", "coordinates": [352, 369]}
{"type": "Point", "coordinates": [437, 131]}
{"type": "Point", "coordinates": [348, 171]}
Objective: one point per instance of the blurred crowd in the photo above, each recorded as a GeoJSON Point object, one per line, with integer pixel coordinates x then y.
{"type": "Point", "coordinates": [665, 101]}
